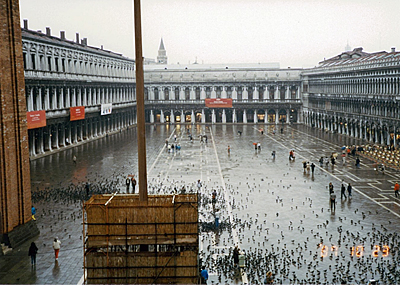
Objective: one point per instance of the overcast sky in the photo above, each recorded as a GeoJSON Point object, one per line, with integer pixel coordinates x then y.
{"type": "Point", "coordinates": [295, 33]}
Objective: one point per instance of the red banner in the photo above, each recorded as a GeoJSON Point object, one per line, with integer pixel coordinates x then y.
{"type": "Point", "coordinates": [77, 113]}
{"type": "Point", "coordinates": [219, 103]}
{"type": "Point", "coordinates": [36, 119]}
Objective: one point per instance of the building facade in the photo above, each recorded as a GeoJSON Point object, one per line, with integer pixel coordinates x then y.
{"type": "Point", "coordinates": [355, 93]}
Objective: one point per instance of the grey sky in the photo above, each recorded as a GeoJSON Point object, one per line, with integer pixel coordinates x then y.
{"type": "Point", "coordinates": [292, 32]}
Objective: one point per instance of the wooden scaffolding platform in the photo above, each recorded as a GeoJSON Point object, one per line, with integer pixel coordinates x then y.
{"type": "Point", "coordinates": [129, 241]}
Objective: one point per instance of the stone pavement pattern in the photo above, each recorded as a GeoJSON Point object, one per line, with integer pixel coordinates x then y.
{"type": "Point", "coordinates": [270, 208]}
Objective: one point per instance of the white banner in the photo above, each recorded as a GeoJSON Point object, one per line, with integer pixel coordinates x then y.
{"type": "Point", "coordinates": [106, 109]}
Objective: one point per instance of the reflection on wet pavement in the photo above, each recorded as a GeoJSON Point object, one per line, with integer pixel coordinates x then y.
{"type": "Point", "coordinates": [278, 214]}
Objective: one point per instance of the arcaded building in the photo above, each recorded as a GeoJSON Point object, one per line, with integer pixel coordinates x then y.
{"type": "Point", "coordinates": [77, 93]}
{"type": "Point", "coordinates": [357, 94]}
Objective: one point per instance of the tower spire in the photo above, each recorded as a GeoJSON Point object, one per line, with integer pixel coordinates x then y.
{"type": "Point", "coordinates": [162, 54]}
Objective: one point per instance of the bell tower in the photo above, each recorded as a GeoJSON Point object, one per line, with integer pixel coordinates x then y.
{"type": "Point", "coordinates": [16, 225]}
{"type": "Point", "coordinates": [162, 54]}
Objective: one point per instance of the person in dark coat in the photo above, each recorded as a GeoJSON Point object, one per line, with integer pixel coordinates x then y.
{"type": "Point", "coordinates": [32, 253]}
{"type": "Point", "coordinates": [236, 255]}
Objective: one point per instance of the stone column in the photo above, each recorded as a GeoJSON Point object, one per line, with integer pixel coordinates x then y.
{"type": "Point", "coordinates": [265, 116]}
{"type": "Point", "coordinates": [162, 119]}
{"type": "Point", "coordinates": [30, 99]}
{"type": "Point", "coordinates": [223, 93]}
{"type": "Point", "coordinates": [277, 93]}
{"type": "Point", "coordinates": [79, 99]}
{"type": "Point", "coordinates": [234, 118]}
{"type": "Point", "coordinates": [181, 93]}
{"type": "Point", "coordinates": [203, 116]}
{"type": "Point", "coordinates": [84, 103]}
{"type": "Point", "coordinates": [47, 99]}
{"type": "Point", "coordinates": [255, 119]}
{"type": "Point", "coordinates": [68, 98]}
{"type": "Point", "coordinates": [192, 118]}
{"type": "Point", "coordinates": [202, 93]}
{"type": "Point", "coordinates": [244, 116]}
{"type": "Point", "coordinates": [288, 116]}
{"type": "Point", "coordinates": [161, 93]}
{"type": "Point", "coordinates": [245, 94]}
{"type": "Point", "coordinates": [182, 117]}
{"type": "Point", "coordinates": [39, 105]}
{"type": "Point", "coordinates": [287, 94]}
{"type": "Point", "coordinates": [277, 116]}
{"type": "Point", "coordinates": [223, 116]}
{"type": "Point", "coordinates": [192, 93]}
{"type": "Point", "coordinates": [213, 93]}
{"type": "Point", "coordinates": [73, 95]}
{"type": "Point", "coordinates": [172, 118]}
{"type": "Point", "coordinates": [151, 117]}
{"type": "Point", "coordinates": [61, 98]}
{"type": "Point", "coordinates": [234, 94]}
{"type": "Point", "coordinates": [213, 116]}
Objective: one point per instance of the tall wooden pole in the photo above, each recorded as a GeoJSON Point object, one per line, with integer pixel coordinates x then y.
{"type": "Point", "coordinates": [140, 104]}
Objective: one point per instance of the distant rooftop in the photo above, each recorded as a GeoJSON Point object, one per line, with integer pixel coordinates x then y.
{"type": "Point", "coordinates": [197, 67]}
{"type": "Point", "coordinates": [356, 56]}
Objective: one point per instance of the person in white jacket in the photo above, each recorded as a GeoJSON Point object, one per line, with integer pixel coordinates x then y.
{"type": "Point", "coordinates": [56, 246]}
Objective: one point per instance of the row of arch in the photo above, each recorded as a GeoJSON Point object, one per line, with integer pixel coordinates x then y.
{"type": "Point", "coordinates": [60, 134]}
{"type": "Point", "coordinates": [371, 130]}
{"type": "Point", "coordinates": [274, 116]}
{"type": "Point", "coordinates": [49, 58]}
{"type": "Point", "coordinates": [247, 92]}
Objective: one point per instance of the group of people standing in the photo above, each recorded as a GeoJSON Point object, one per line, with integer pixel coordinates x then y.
{"type": "Point", "coordinates": [332, 195]}
{"type": "Point", "coordinates": [130, 181]}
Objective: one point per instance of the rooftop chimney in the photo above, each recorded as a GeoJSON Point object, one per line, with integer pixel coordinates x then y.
{"type": "Point", "coordinates": [48, 31]}
{"type": "Point", "coordinates": [62, 35]}
{"type": "Point", "coordinates": [25, 24]}
{"type": "Point", "coordinates": [84, 41]}
{"type": "Point", "coordinates": [77, 38]}
{"type": "Point", "coordinates": [101, 46]}
{"type": "Point", "coordinates": [393, 49]}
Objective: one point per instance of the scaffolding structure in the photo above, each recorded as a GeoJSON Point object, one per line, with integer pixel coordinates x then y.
{"type": "Point", "coordinates": [130, 241]}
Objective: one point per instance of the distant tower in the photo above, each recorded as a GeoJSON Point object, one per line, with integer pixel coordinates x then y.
{"type": "Point", "coordinates": [162, 54]}
{"type": "Point", "coordinates": [347, 48]}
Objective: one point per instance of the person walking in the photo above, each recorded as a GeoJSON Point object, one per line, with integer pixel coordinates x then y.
{"type": "Point", "coordinates": [133, 181]}
{"type": "Point", "coordinates": [56, 247]}
{"type": "Point", "coordinates": [204, 275]}
{"type": "Point", "coordinates": [333, 201]}
{"type": "Point", "coordinates": [358, 162]}
{"type": "Point", "coordinates": [396, 189]}
{"type": "Point", "coordinates": [74, 159]}
{"type": "Point", "coordinates": [268, 278]}
{"type": "Point", "coordinates": [236, 256]}
{"type": "Point", "coordinates": [312, 167]}
{"type": "Point", "coordinates": [330, 187]}
{"type": "Point", "coordinates": [32, 253]}
{"type": "Point", "coordinates": [198, 185]}
{"type": "Point", "coordinates": [349, 188]}
{"type": "Point", "coordinates": [128, 184]}
{"type": "Point", "coordinates": [273, 154]}
{"type": "Point", "coordinates": [343, 191]}
{"type": "Point", "coordinates": [229, 149]}
{"type": "Point", "coordinates": [33, 211]}
{"type": "Point", "coordinates": [321, 161]}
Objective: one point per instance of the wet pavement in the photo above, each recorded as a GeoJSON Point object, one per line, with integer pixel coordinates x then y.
{"type": "Point", "coordinates": [276, 213]}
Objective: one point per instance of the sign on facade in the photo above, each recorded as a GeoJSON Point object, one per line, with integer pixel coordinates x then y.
{"type": "Point", "coordinates": [36, 119]}
{"type": "Point", "coordinates": [106, 109]}
{"type": "Point", "coordinates": [219, 103]}
{"type": "Point", "coordinates": [77, 113]}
